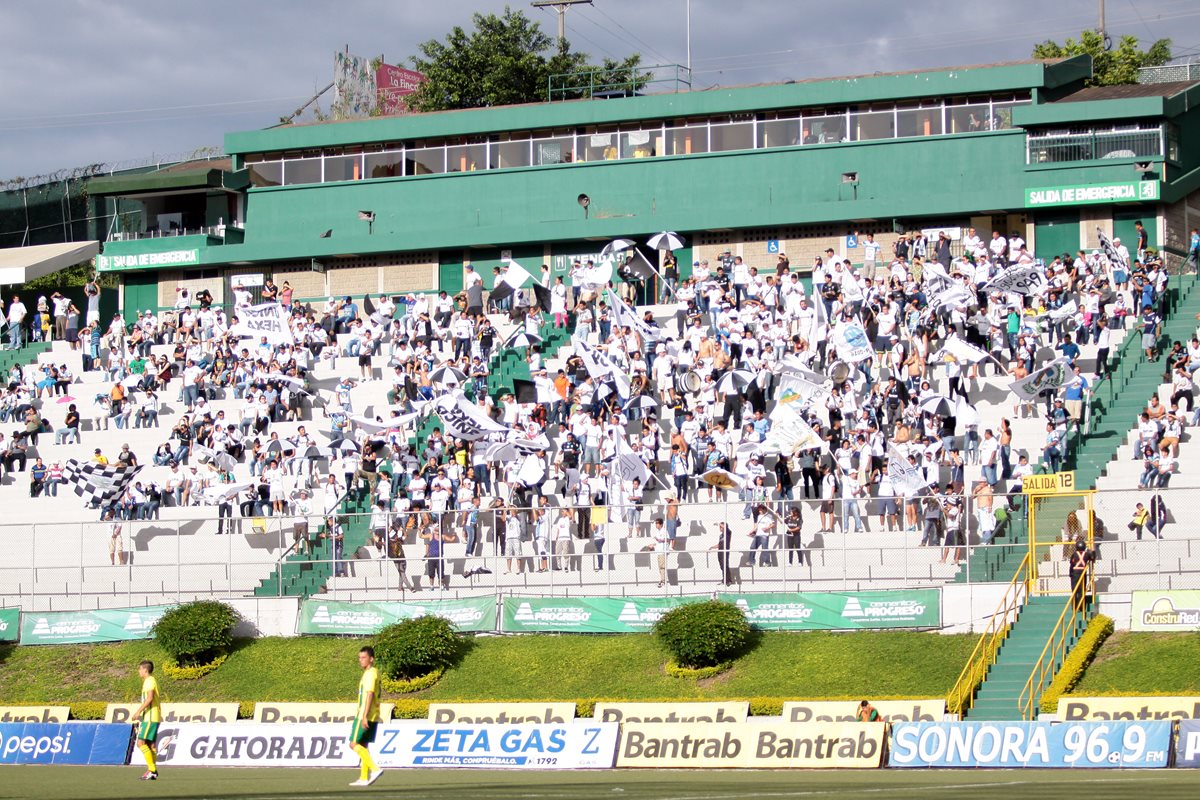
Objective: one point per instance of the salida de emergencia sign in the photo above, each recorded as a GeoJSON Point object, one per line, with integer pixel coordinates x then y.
{"type": "Point", "coordinates": [1129, 191]}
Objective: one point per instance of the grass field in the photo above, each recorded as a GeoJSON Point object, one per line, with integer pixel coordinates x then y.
{"type": "Point", "coordinates": [810, 665]}
{"type": "Point", "coordinates": [101, 783]}
{"type": "Point", "coordinates": [1150, 663]}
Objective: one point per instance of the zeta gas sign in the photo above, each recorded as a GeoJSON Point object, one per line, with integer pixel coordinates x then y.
{"type": "Point", "coordinates": [1076, 195]}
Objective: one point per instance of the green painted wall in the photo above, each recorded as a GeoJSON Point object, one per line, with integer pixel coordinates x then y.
{"type": "Point", "coordinates": [1056, 232]}
{"type": "Point", "coordinates": [897, 178]}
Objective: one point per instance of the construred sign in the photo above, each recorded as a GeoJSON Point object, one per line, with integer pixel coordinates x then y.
{"type": "Point", "coordinates": [394, 84]}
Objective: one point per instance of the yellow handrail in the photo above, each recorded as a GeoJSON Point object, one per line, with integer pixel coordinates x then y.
{"type": "Point", "coordinates": [1053, 653]}
{"type": "Point", "coordinates": [962, 696]}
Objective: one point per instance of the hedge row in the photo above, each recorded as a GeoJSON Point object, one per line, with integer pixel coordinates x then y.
{"type": "Point", "coordinates": [1074, 665]}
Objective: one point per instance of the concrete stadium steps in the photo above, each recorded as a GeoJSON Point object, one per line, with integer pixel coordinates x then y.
{"type": "Point", "coordinates": [998, 698]}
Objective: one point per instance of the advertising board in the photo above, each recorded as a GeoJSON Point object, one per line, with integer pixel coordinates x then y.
{"type": "Point", "coordinates": [502, 713]}
{"type": "Point", "coordinates": [745, 745]}
{"type": "Point", "coordinates": [176, 712]}
{"type": "Point", "coordinates": [65, 743]}
{"type": "Point", "coordinates": [572, 745]}
{"type": "Point", "coordinates": [1130, 709]}
{"type": "Point", "coordinates": [1095, 745]}
{"type": "Point", "coordinates": [727, 711]}
{"type": "Point", "coordinates": [284, 713]}
{"type": "Point", "coordinates": [930, 710]}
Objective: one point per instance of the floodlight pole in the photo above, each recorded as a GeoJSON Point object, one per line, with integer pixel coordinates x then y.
{"type": "Point", "coordinates": [561, 7]}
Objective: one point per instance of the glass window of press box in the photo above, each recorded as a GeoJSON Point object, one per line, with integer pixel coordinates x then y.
{"type": "Point", "coordinates": [672, 137]}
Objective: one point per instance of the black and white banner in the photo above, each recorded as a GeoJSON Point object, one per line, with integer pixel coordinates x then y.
{"type": "Point", "coordinates": [98, 485]}
{"type": "Point", "coordinates": [513, 278]}
{"type": "Point", "coordinates": [463, 420]}
{"type": "Point", "coordinates": [907, 479]}
{"type": "Point", "coordinates": [961, 350]}
{"type": "Point", "coordinates": [1021, 280]}
{"type": "Point", "coordinates": [269, 320]}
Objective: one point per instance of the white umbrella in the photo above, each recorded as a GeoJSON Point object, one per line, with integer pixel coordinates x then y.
{"type": "Point", "coordinates": [448, 375]}
{"type": "Point", "coordinates": [667, 240]}
{"type": "Point", "coordinates": [936, 404]}
{"type": "Point", "coordinates": [733, 381]}
{"type": "Point", "coordinates": [616, 246]}
{"type": "Point", "coordinates": [523, 338]}
{"type": "Point", "coordinates": [642, 401]}
{"type": "Point", "coordinates": [346, 446]}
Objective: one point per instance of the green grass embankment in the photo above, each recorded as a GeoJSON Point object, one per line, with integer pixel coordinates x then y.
{"type": "Point", "coordinates": [810, 666]}
{"type": "Point", "coordinates": [1144, 664]}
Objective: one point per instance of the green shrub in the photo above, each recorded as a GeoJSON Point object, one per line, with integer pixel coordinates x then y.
{"type": "Point", "coordinates": [416, 647]}
{"type": "Point", "coordinates": [408, 708]}
{"type": "Point", "coordinates": [1076, 663]}
{"type": "Point", "coordinates": [196, 633]}
{"type": "Point", "coordinates": [88, 709]}
{"type": "Point", "coordinates": [703, 634]}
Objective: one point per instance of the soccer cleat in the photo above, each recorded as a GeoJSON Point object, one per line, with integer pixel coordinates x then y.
{"type": "Point", "coordinates": [149, 776]}
{"type": "Point", "coordinates": [373, 776]}
{"type": "Point", "coordinates": [359, 782]}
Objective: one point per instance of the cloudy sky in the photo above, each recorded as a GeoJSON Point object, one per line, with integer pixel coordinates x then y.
{"type": "Point", "coordinates": [112, 81]}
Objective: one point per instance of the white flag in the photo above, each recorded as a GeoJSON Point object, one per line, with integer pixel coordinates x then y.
{"type": "Point", "coordinates": [269, 320]}
{"type": "Point", "coordinates": [852, 343]}
{"type": "Point", "coordinates": [1049, 378]}
{"type": "Point", "coordinates": [907, 479]}
{"type": "Point", "coordinates": [789, 432]}
{"type": "Point", "coordinates": [961, 350]}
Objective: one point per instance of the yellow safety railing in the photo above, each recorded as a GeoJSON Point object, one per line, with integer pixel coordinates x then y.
{"type": "Point", "coordinates": [1055, 650]}
{"type": "Point", "coordinates": [962, 696]}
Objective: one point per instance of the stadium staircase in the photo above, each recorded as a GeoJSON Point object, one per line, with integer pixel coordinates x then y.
{"type": "Point", "coordinates": [1114, 409]}
{"type": "Point", "coordinates": [24, 356]}
{"type": "Point", "coordinates": [998, 698]}
{"type": "Point", "coordinates": [306, 574]}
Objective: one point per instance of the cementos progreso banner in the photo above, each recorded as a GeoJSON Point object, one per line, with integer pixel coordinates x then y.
{"type": "Point", "coordinates": [796, 611]}
{"type": "Point", "coordinates": [397, 744]}
{"type": "Point", "coordinates": [10, 624]}
{"type": "Point", "coordinates": [472, 614]}
{"type": "Point", "coordinates": [87, 627]}
{"type": "Point", "coordinates": [1030, 744]}
{"type": "Point", "coordinates": [65, 743]}
{"type": "Point", "coordinates": [576, 745]}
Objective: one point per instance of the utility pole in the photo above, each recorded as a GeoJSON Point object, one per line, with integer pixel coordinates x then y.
{"type": "Point", "coordinates": [561, 7]}
{"type": "Point", "coordinates": [689, 40]}
{"type": "Point", "coordinates": [1103, 31]}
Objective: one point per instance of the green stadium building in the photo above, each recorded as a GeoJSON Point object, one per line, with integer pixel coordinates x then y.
{"type": "Point", "coordinates": [400, 204]}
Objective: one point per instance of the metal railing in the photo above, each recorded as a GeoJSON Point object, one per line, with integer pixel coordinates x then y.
{"type": "Point", "coordinates": [1053, 148]}
{"type": "Point", "coordinates": [600, 82]}
{"type": "Point", "coordinates": [66, 565]}
{"type": "Point", "coordinates": [962, 696]}
{"type": "Point", "coordinates": [1056, 648]}
{"type": "Point", "coordinates": [1170, 73]}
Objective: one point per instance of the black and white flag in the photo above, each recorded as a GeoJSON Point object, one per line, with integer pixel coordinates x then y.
{"type": "Point", "coordinates": [98, 485]}
{"type": "Point", "coordinates": [1110, 250]}
{"type": "Point", "coordinates": [511, 280]}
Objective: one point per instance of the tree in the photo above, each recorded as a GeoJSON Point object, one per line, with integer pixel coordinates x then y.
{"type": "Point", "coordinates": [1109, 67]}
{"type": "Point", "coordinates": [506, 59]}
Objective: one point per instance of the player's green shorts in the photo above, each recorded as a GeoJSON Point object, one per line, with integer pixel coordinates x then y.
{"type": "Point", "coordinates": [363, 732]}
{"type": "Point", "coordinates": [147, 731]}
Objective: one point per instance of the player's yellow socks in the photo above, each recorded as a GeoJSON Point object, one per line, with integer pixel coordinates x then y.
{"type": "Point", "coordinates": [148, 752]}
{"type": "Point", "coordinates": [368, 764]}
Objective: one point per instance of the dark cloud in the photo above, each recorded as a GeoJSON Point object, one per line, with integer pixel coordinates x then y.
{"type": "Point", "coordinates": [112, 80]}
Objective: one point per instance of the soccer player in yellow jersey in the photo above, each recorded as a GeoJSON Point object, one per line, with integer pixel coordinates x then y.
{"type": "Point", "coordinates": [148, 715]}
{"type": "Point", "coordinates": [366, 718]}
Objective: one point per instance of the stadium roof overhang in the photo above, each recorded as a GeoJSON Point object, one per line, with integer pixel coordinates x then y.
{"type": "Point", "coordinates": [20, 265]}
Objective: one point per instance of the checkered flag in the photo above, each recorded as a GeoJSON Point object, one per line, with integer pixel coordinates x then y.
{"type": "Point", "coordinates": [98, 485]}
{"type": "Point", "coordinates": [1110, 250]}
